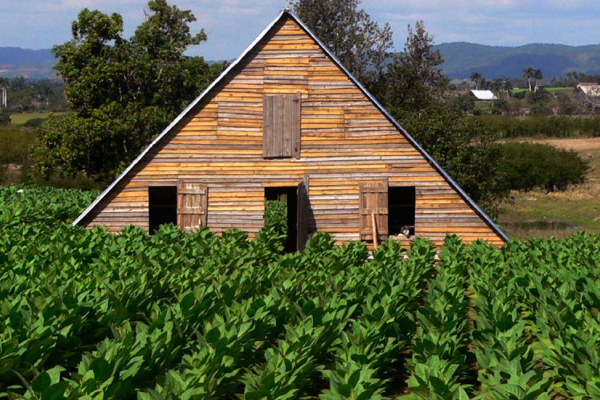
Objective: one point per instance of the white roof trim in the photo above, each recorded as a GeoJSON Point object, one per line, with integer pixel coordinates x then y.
{"type": "Point", "coordinates": [436, 166]}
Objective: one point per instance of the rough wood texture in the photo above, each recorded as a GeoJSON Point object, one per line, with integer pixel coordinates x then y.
{"type": "Point", "coordinates": [191, 205]}
{"type": "Point", "coordinates": [344, 140]}
{"type": "Point", "coordinates": [374, 211]}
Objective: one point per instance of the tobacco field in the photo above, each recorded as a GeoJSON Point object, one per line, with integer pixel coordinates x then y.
{"type": "Point", "coordinates": [89, 315]}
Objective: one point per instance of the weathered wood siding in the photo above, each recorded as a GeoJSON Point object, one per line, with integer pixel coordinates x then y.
{"type": "Point", "coordinates": [345, 140]}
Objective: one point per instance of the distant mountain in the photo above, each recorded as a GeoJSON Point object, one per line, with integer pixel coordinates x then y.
{"type": "Point", "coordinates": [34, 64]}
{"type": "Point", "coordinates": [461, 60]}
{"type": "Point", "coordinates": [555, 60]}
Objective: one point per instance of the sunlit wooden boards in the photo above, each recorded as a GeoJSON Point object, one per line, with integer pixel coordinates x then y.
{"type": "Point", "coordinates": [344, 143]}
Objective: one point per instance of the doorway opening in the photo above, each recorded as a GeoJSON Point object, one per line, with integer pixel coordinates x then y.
{"type": "Point", "coordinates": [401, 206]}
{"type": "Point", "coordinates": [162, 206]}
{"type": "Point", "coordinates": [289, 196]}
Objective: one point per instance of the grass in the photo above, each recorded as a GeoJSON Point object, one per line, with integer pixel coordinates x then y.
{"type": "Point", "coordinates": [22, 118]}
{"type": "Point", "coordinates": [560, 214]}
{"type": "Point", "coordinates": [560, 89]}
{"type": "Point", "coordinates": [483, 105]}
{"type": "Point", "coordinates": [549, 89]}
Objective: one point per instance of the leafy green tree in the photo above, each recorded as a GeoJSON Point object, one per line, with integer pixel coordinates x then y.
{"type": "Point", "coordinates": [537, 75]}
{"type": "Point", "coordinates": [122, 92]}
{"type": "Point", "coordinates": [528, 74]}
{"type": "Point", "coordinates": [464, 147]}
{"type": "Point", "coordinates": [414, 79]}
{"type": "Point", "coordinates": [566, 106]}
{"type": "Point", "coordinates": [359, 43]}
{"type": "Point", "coordinates": [476, 79]}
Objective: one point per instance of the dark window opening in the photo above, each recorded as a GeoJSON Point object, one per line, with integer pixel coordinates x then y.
{"type": "Point", "coordinates": [162, 206]}
{"type": "Point", "coordinates": [401, 205]}
{"type": "Point", "coordinates": [289, 196]}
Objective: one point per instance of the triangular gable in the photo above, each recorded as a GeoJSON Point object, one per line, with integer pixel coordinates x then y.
{"type": "Point", "coordinates": [230, 71]}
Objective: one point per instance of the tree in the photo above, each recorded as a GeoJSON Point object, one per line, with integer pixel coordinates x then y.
{"type": "Point", "coordinates": [413, 79]}
{"type": "Point", "coordinates": [464, 147]}
{"type": "Point", "coordinates": [528, 74]}
{"type": "Point", "coordinates": [507, 85]}
{"type": "Point", "coordinates": [476, 78]}
{"type": "Point", "coordinates": [359, 43]}
{"type": "Point", "coordinates": [537, 75]}
{"type": "Point", "coordinates": [122, 92]}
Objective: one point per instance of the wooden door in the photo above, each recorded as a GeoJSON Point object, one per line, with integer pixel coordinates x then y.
{"type": "Point", "coordinates": [374, 209]}
{"type": "Point", "coordinates": [281, 125]}
{"type": "Point", "coordinates": [302, 215]}
{"type": "Point", "coordinates": [192, 204]}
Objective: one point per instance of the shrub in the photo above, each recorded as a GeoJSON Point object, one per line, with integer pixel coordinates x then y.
{"type": "Point", "coordinates": [15, 144]}
{"type": "Point", "coordinates": [276, 216]}
{"type": "Point", "coordinates": [464, 148]}
{"type": "Point", "coordinates": [34, 122]}
{"type": "Point", "coordinates": [512, 127]}
{"type": "Point", "coordinates": [566, 106]}
{"type": "Point", "coordinates": [534, 165]}
{"type": "Point", "coordinates": [5, 119]}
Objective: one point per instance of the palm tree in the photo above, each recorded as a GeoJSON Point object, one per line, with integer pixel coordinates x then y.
{"type": "Point", "coordinates": [476, 77]}
{"type": "Point", "coordinates": [537, 75]}
{"type": "Point", "coordinates": [528, 74]}
{"type": "Point", "coordinates": [4, 82]}
{"type": "Point", "coordinates": [496, 85]}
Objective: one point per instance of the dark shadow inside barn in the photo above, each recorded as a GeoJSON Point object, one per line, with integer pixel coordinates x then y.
{"type": "Point", "coordinates": [289, 196]}
{"type": "Point", "coordinates": [401, 208]}
{"type": "Point", "coordinates": [163, 206]}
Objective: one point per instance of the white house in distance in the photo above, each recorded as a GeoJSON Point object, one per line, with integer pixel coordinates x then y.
{"type": "Point", "coordinates": [484, 95]}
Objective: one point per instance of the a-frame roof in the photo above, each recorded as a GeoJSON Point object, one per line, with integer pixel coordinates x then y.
{"type": "Point", "coordinates": [228, 71]}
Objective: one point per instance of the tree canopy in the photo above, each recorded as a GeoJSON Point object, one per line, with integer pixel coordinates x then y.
{"type": "Point", "coordinates": [414, 79]}
{"type": "Point", "coordinates": [360, 44]}
{"type": "Point", "coordinates": [122, 91]}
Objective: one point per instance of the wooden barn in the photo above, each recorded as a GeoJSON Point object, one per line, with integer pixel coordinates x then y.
{"type": "Point", "coordinates": [287, 121]}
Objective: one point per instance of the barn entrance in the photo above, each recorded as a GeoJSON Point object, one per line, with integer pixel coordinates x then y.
{"type": "Point", "coordinates": [162, 206]}
{"type": "Point", "coordinates": [289, 196]}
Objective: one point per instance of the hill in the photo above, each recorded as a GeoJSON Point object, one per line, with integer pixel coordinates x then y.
{"type": "Point", "coordinates": [34, 64]}
{"type": "Point", "coordinates": [462, 59]}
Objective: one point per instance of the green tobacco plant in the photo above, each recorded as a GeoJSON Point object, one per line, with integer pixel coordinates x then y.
{"type": "Point", "coordinates": [175, 315]}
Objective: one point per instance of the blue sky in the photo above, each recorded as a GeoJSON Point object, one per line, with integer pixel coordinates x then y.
{"type": "Point", "coordinates": [232, 24]}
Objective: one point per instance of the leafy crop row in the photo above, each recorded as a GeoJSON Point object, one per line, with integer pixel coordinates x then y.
{"type": "Point", "coordinates": [88, 314]}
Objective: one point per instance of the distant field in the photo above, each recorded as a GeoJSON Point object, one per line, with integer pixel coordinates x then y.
{"type": "Point", "coordinates": [558, 214]}
{"type": "Point", "coordinates": [22, 118]}
{"type": "Point", "coordinates": [483, 105]}
{"type": "Point", "coordinates": [550, 89]}
{"type": "Point", "coordinates": [560, 89]}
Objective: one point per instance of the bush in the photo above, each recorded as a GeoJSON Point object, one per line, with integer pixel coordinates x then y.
{"type": "Point", "coordinates": [533, 165]}
{"type": "Point", "coordinates": [513, 127]}
{"type": "Point", "coordinates": [15, 144]}
{"type": "Point", "coordinates": [566, 106]}
{"type": "Point", "coordinates": [5, 119]}
{"type": "Point", "coordinates": [276, 216]}
{"type": "Point", "coordinates": [34, 122]}
{"type": "Point", "coordinates": [464, 148]}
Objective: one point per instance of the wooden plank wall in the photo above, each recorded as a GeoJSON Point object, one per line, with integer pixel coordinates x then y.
{"type": "Point", "coordinates": [345, 139]}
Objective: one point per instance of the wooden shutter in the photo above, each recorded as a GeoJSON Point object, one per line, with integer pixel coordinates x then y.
{"type": "Point", "coordinates": [302, 215]}
{"type": "Point", "coordinates": [281, 125]}
{"type": "Point", "coordinates": [192, 204]}
{"type": "Point", "coordinates": [374, 207]}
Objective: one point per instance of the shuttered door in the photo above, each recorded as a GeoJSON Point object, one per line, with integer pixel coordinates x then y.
{"type": "Point", "coordinates": [192, 202]}
{"type": "Point", "coordinates": [374, 208]}
{"type": "Point", "coordinates": [301, 221]}
{"type": "Point", "coordinates": [281, 125]}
